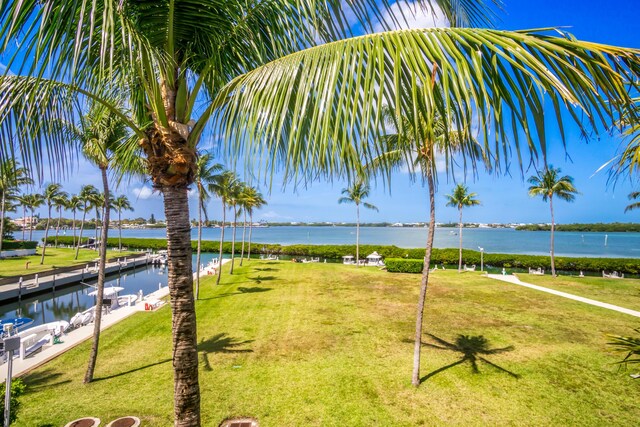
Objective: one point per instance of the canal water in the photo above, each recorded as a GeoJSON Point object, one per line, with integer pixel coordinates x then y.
{"type": "Point", "coordinates": [66, 302]}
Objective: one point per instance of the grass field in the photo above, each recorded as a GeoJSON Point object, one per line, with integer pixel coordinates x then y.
{"type": "Point", "coordinates": [58, 257]}
{"type": "Point", "coordinates": [622, 292]}
{"type": "Point", "coordinates": [330, 345]}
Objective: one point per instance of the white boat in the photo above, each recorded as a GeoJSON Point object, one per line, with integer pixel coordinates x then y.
{"type": "Point", "coordinates": [33, 339]}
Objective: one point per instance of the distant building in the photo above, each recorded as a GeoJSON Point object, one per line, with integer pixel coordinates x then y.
{"type": "Point", "coordinates": [26, 221]}
{"type": "Point", "coordinates": [397, 224]}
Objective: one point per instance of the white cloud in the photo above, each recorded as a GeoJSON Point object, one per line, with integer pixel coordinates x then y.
{"type": "Point", "coordinates": [143, 192]}
{"type": "Point", "coordinates": [273, 215]}
{"type": "Point", "coordinates": [411, 15]}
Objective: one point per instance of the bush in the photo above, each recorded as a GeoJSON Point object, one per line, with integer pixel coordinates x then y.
{"type": "Point", "coordinates": [17, 389]}
{"type": "Point", "coordinates": [15, 244]}
{"type": "Point", "coordinates": [401, 265]}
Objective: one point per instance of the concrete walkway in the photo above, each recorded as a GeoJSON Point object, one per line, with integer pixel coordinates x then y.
{"type": "Point", "coordinates": [84, 333]}
{"type": "Point", "coordinates": [516, 281]}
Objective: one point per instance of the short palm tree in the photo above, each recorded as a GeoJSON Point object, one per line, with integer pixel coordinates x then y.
{"type": "Point", "coordinates": [251, 199]}
{"type": "Point", "coordinates": [461, 198]}
{"type": "Point", "coordinates": [548, 183]}
{"type": "Point", "coordinates": [32, 202]}
{"type": "Point", "coordinates": [23, 201]}
{"type": "Point", "coordinates": [121, 203]}
{"type": "Point", "coordinates": [244, 58]}
{"type": "Point", "coordinates": [50, 194]}
{"type": "Point", "coordinates": [12, 176]}
{"type": "Point", "coordinates": [60, 203]}
{"type": "Point", "coordinates": [87, 194]}
{"type": "Point", "coordinates": [635, 195]}
{"type": "Point", "coordinates": [224, 187]}
{"type": "Point", "coordinates": [628, 345]}
{"type": "Point", "coordinates": [75, 204]}
{"type": "Point", "coordinates": [355, 194]}
{"type": "Point", "coordinates": [206, 173]}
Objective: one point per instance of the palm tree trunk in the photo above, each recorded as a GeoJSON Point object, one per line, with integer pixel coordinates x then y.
{"type": "Point", "coordinates": [46, 233]}
{"type": "Point", "coordinates": [24, 218]}
{"type": "Point", "coordinates": [460, 235]}
{"type": "Point", "coordinates": [84, 217]}
{"type": "Point", "coordinates": [553, 226]}
{"type": "Point", "coordinates": [224, 218]}
{"type": "Point", "coordinates": [33, 213]}
{"type": "Point", "coordinates": [233, 238]}
{"type": "Point", "coordinates": [415, 380]}
{"type": "Point", "coordinates": [58, 226]}
{"type": "Point", "coordinates": [95, 245]}
{"type": "Point", "coordinates": [2, 219]}
{"type": "Point", "coordinates": [244, 231]}
{"type": "Point", "coordinates": [93, 356]}
{"type": "Point", "coordinates": [185, 355]}
{"type": "Point", "coordinates": [119, 230]}
{"type": "Point", "coordinates": [73, 225]}
{"type": "Point", "coordinates": [250, 232]}
{"type": "Point", "coordinates": [199, 246]}
{"type": "Point", "coordinates": [357, 235]}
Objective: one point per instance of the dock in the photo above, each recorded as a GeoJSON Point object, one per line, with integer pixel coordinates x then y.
{"type": "Point", "coordinates": [12, 289]}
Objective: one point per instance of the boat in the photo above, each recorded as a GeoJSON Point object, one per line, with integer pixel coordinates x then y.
{"type": "Point", "coordinates": [13, 325]}
{"type": "Point", "coordinates": [34, 339]}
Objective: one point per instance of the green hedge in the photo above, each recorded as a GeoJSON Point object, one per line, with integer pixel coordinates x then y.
{"type": "Point", "coordinates": [439, 256]}
{"type": "Point", "coordinates": [400, 265]}
{"type": "Point", "coordinates": [9, 245]}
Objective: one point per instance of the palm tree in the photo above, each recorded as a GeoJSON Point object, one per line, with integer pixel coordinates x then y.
{"type": "Point", "coordinates": [60, 203]}
{"type": "Point", "coordinates": [12, 176]}
{"type": "Point", "coordinates": [234, 202]}
{"type": "Point", "coordinates": [356, 194]}
{"type": "Point", "coordinates": [87, 195]}
{"type": "Point", "coordinates": [245, 58]}
{"type": "Point", "coordinates": [32, 202]}
{"type": "Point", "coordinates": [461, 198]}
{"type": "Point", "coordinates": [251, 199]}
{"type": "Point", "coordinates": [50, 194]}
{"type": "Point", "coordinates": [74, 204]}
{"type": "Point", "coordinates": [548, 183]}
{"type": "Point", "coordinates": [23, 200]}
{"type": "Point", "coordinates": [634, 195]}
{"type": "Point", "coordinates": [121, 203]}
{"type": "Point", "coordinates": [205, 175]}
{"type": "Point", "coordinates": [223, 186]}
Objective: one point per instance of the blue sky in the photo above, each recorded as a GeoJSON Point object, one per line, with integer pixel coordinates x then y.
{"type": "Point", "coordinates": [504, 198]}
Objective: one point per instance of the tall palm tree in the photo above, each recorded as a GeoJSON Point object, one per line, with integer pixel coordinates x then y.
{"type": "Point", "coordinates": [548, 183]}
{"type": "Point", "coordinates": [251, 199]}
{"type": "Point", "coordinates": [87, 195]}
{"type": "Point", "coordinates": [223, 186]}
{"type": "Point", "coordinates": [60, 203]}
{"type": "Point", "coordinates": [97, 203]}
{"type": "Point", "coordinates": [206, 173]}
{"type": "Point", "coordinates": [121, 203]}
{"type": "Point", "coordinates": [235, 201]}
{"type": "Point", "coordinates": [50, 194]}
{"type": "Point", "coordinates": [355, 194]}
{"type": "Point", "coordinates": [634, 195]}
{"type": "Point", "coordinates": [244, 58]}
{"type": "Point", "coordinates": [32, 202]}
{"type": "Point", "coordinates": [74, 204]}
{"type": "Point", "coordinates": [12, 176]}
{"type": "Point", "coordinates": [461, 198]}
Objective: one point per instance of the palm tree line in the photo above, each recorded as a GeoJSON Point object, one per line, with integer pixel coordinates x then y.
{"type": "Point", "coordinates": [322, 128]}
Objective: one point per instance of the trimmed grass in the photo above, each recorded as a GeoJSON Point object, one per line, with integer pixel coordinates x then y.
{"type": "Point", "coordinates": [330, 345]}
{"type": "Point", "coordinates": [622, 292]}
{"type": "Point", "coordinates": [59, 257]}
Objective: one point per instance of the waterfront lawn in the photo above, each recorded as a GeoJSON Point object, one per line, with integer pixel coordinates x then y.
{"type": "Point", "coordinates": [58, 257]}
{"type": "Point", "coordinates": [331, 345]}
{"type": "Point", "coordinates": [622, 292]}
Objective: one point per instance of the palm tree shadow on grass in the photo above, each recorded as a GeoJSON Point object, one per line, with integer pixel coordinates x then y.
{"type": "Point", "coordinates": [472, 348]}
{"type": "Point", "coordinates": [221, 343]}
{"type": "Point", "coordinates": [241, 290]}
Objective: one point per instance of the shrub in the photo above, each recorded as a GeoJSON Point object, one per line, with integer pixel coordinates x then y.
{"type": "Point", "coordinates": [17, 389]}
{"type": "Point", "coordinates": [16, 244]}
{"type": "Point", "coordinates": [402, 265]}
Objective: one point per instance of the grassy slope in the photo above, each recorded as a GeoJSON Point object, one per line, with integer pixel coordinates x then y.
{"type": "Point", "coordinates": [60, 257]}
{"type": "Point", "coordinates": [329, 345]}
{"type": "Point", "coordinates": [622, 292]}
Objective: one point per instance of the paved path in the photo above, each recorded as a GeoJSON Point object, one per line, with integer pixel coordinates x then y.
{"type": "Point", "coordinates": [84, 333]}
{"type": "Point", "coordinates": [514, 280]}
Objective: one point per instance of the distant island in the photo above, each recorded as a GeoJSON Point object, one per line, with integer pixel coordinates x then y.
{"type": "Point", "coordinates": [624, 227]}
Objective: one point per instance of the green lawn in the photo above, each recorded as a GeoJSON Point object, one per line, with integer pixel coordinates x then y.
{"type": "Point", "coordinates": [622, 292]}
{"type": "Point", "coordinates": [330, 345]}
{"type": "Point", "coordinates": [59, 257]}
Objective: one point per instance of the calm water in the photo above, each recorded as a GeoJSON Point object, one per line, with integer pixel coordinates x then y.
{"type": "Point", "coordinates": [63, 304]}
{"type": "Point", "coordinates": [500, 240]}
